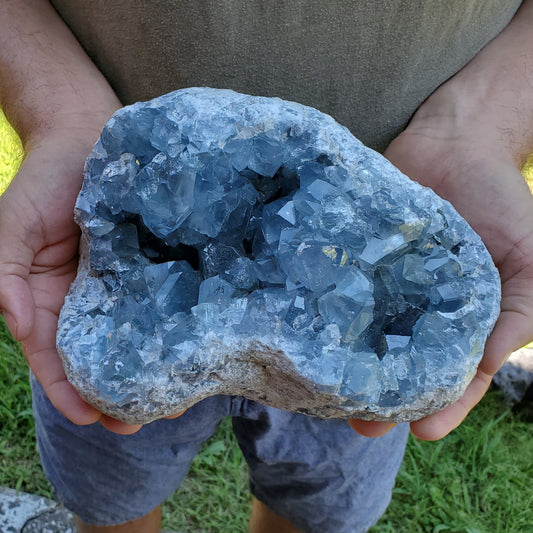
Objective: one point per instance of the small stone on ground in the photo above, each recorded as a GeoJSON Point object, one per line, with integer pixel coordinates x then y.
{"type": "Point", "coordinates": [516, 375]}
{"type": "Point", "coordinates": [26, 513]}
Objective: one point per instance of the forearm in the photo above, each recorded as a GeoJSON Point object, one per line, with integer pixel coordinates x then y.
{"type": "Point", "coordinates": [491, 98]}
{"type": "Point", "coordinates": [46, 80]}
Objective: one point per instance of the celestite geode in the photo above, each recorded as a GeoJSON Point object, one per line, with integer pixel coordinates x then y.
{"type": "Point", "coordinates": [252, 246]}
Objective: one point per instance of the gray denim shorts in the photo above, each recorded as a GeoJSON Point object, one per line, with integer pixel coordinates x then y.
{"type": "Point", "coordinates": [318, 474]}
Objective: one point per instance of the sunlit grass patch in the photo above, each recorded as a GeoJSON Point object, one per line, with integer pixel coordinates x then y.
{"type": "Point", "coordinates": [476, 480]}
{"type": "Point", "coordinates": [11, 152]}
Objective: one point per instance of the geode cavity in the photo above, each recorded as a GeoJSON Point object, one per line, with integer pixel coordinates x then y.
{"type": "Point", "coordinates": [252, 246]}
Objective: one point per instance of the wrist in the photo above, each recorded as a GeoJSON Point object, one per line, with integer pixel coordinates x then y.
{"type": "Point", "coordinates": [489, 103]}
{"type": "Point", "coordinates": [72, 109]}
{"type": "Point", "coordinates": [47, 82]}
{"type": "Point", "coordinates": [72, 125]}
{"type": "Point", "coordinates": [459, 119]}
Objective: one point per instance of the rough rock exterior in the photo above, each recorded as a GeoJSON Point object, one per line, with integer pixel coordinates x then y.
{"type": "Point", "coordinates": [252, 246]}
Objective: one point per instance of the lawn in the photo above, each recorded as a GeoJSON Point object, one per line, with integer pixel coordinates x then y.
{"type": "Point", "coordinates": [476, 480]}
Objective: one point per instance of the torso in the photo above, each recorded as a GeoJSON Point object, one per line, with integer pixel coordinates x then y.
{"type": "Point", "coordinates": [369, 63]}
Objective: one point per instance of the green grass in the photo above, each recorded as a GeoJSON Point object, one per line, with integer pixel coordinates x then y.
{"type": "Point", "coordinates": [19, 463]}
{"type": "Point", "coordinates": [476, 480]}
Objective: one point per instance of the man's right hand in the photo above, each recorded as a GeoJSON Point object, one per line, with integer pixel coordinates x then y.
{"type": "Point", "coordinates": [39, 257]}
{"type": "Point", "coordinates": [58, 102]}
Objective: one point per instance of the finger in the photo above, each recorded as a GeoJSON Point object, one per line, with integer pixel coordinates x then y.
{"type": "Point", "coordinates": [16, 256]}
{"type": "Point", "coordinates": [512, 331]}
{"type": "Point", "coordinates": [68, 402]}
{"type": "Point", "coordinates": [47, 368]}
{"type": "Point", "coordinates": [116, 426]}
{"type": "Point", "coordinates": [40, 349]}
{"type": "Point", "coordinates": [17, 305]}
{"type": "Point", "coordinates": [438, 425]}
{"type": "Point", "coordinates": [177, 415]}
{"type": "Point", "coordinates": [46, 364]}
{"type": "Point", "coordinates": [371, 429]}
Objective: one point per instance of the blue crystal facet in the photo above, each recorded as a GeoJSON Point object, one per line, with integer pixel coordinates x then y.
{"type": "Point", "coordinates": [252, 246]}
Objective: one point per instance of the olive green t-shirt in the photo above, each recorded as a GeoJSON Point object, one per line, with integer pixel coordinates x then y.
{"type": "Point", "coordinates": [368, 63]}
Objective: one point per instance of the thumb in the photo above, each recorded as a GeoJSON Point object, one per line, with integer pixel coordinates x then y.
{"type": "Point", "coordinates": [512, 331]}
{"type": "Point", "coordinates": [371, 429]}
{"type": "Point", "coordinates": [17, 305]}
{"type": "Point", "coordinates": [16, 256]}
{"type": "Point", "coordinates": [514, 327]}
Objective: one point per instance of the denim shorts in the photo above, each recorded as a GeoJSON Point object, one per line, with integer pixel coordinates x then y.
{"type": "Point", "coordinates": [318, 474]}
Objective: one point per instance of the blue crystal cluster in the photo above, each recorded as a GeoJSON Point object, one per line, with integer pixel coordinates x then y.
{"type": "Point", "coordinates": [245, 245]}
